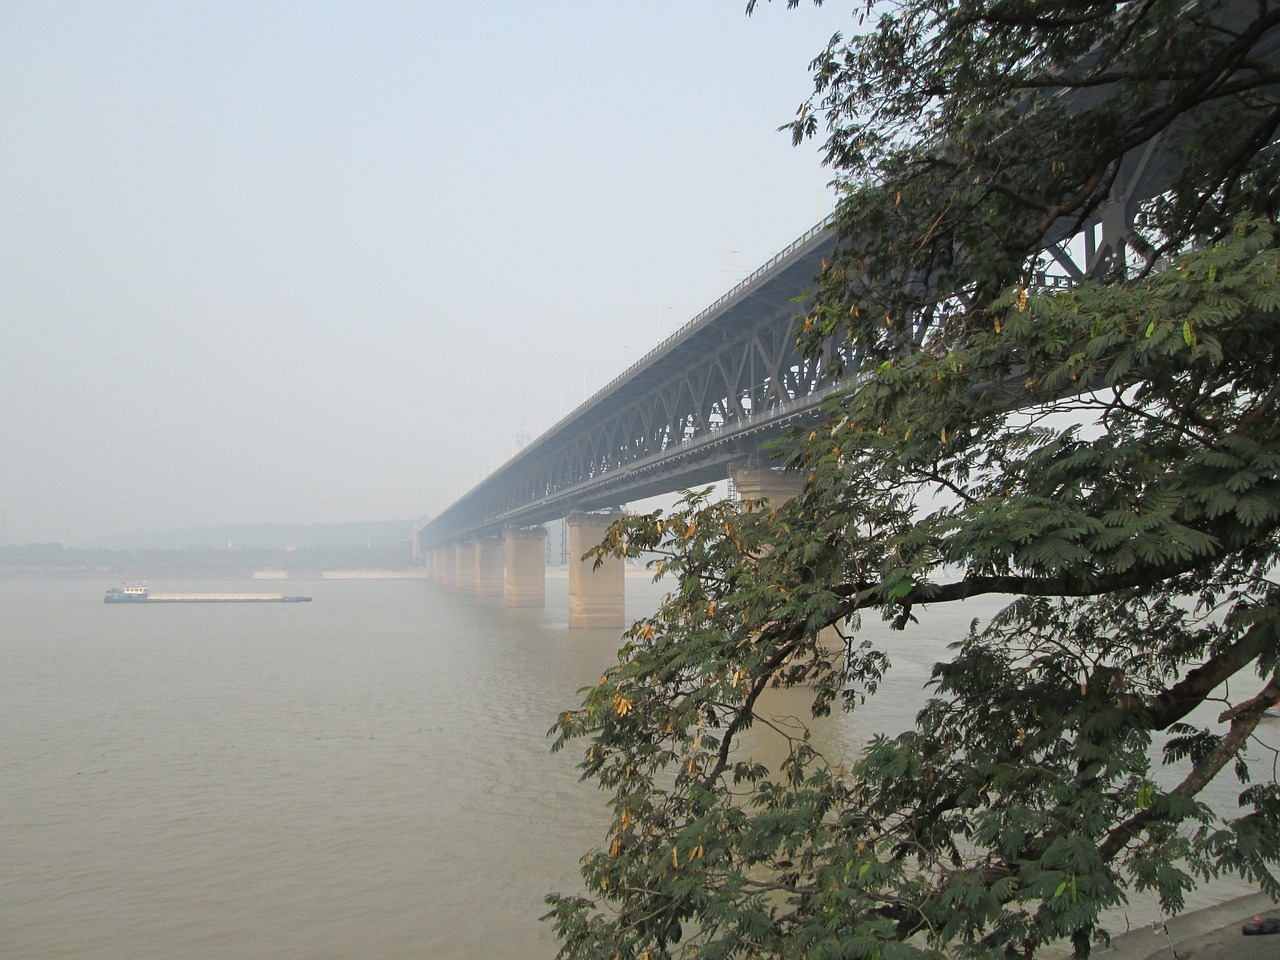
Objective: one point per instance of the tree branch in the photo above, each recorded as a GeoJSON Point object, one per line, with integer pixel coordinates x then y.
{"type": "Point", "coordinates": [1184, 696]}
{"type": "Point", "coordinates": [1243, 722]}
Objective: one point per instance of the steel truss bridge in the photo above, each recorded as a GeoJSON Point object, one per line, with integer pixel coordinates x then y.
{"type": "Point", "coordinates": [712, 395]}
{"type": "Point", "coordinates": [706, 398]}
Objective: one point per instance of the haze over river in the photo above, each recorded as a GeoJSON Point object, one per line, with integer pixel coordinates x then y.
{"type": "Point", "coordinates": [364, 776]}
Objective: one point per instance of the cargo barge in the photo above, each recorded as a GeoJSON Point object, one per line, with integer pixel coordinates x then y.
{"type": "Point", "coordinates": [124, 594]}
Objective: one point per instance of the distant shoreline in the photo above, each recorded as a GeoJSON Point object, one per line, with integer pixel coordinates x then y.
{"type": "Point", "coordinates": [112, 576]}
{"type": "Point", "coordinates": [416, 573]}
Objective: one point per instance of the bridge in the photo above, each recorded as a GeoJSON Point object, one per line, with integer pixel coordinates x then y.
{"type": "Point", "coordinates": [707, 397]}
{"type": "Point", "coordinates": [702, 406]}
{"type": "Point", "coordinates": [699, 406]}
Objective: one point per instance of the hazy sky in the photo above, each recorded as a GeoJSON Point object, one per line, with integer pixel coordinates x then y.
{"type": "Point", "coordinates": [324, 261]}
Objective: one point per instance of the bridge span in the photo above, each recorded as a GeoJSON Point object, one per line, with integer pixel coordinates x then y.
{"type": "Point", "coordinates": [697, 409]}
{"type": "Point", "coordinates": [704, 399]}
{"type": "Point", "coordinates": [701, 405]}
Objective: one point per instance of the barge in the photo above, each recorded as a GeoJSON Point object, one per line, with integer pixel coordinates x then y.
{"type": "Point", "coordinates": [123, 594]}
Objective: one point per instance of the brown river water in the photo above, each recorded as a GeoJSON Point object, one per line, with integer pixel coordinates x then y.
{"type": "Point", "coordinates": [364, 776]}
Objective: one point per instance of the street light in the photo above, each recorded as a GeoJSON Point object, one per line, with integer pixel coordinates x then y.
{"type": "Point", "coordinates": [660, 309]}
{"type": "Point", "coordinates": [723, 254]}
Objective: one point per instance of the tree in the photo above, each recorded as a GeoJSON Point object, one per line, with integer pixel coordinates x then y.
{"type": "Point", "coordinates": [1104, 451]}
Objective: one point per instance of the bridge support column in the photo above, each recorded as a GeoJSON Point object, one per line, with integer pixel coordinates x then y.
{"type": "Point", "coordinates": [526, 566]}
{"type": "Point", "coordinates": [763, 483]}
{"type": "Point", "coordinates": [597, 598]}
{"type": "Point", "coordinates": [488, 579]}
{"type": "Point", "coordinates": [776, 488]}
{"type": "Point", "coordinates": [464, 565]}
{"type": "Point", "coordinates": [442, 565]}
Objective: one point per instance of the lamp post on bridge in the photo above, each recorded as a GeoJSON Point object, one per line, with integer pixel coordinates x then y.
{"type": "Point", "coordinates": [660, 309]}
{"type": "Point", "coordinates": [723, 254]}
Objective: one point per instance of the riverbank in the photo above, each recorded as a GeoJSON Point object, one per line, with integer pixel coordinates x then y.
{"type": "Point", "coordinates": [1212, 933]}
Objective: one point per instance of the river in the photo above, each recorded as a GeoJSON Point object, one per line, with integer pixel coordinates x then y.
{"type": "Point", "coordinates": [364, 776]}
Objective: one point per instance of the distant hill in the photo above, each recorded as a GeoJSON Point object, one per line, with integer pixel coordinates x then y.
{"type": "Point", "coordinates": [364, 535]}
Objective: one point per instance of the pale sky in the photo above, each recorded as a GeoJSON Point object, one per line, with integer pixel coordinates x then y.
{"type": "Point", "coordinates": [323, 261]}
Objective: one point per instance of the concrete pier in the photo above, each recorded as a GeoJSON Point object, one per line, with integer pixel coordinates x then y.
{"type": "Point", "coordinates": [763, 483]}
{"type": "Point", "coordinates": [489, 577]}
{"type": "Point", "coordinates": [597, 598]}
{"type": "Point", "coordinates": [776, 488]}
{"type": "Point", "coordinates": [443, 565]}
{"type": "Point", "coordinates": [464, 565]}
{"type": "Point", "coordinates": [526, 549]}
